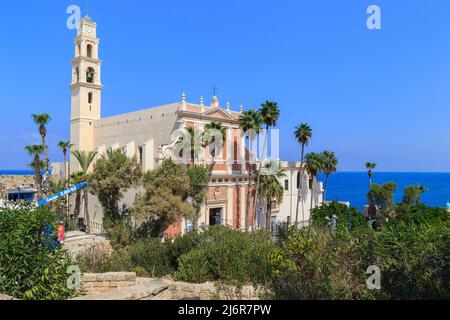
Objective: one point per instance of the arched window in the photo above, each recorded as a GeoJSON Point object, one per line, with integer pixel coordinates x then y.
{"type": "Point", "coordinates": [77, 74]}
{"type": "Point", "coordinates": [90, 75]}
{"type": "Point", "coordinates": [90, 97]}
{"type": "Point", "coordinates": [79, 49]}
{"type": "Point", "coordinates": [89, 51]}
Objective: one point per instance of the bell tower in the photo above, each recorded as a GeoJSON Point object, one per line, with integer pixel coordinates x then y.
{"type": "Point", "coordinates": [86, 87]}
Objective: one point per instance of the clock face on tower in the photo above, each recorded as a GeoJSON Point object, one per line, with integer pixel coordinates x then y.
{"type": "Point", "coordinates": [88, 29]}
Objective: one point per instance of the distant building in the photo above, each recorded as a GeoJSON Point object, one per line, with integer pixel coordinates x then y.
{"type": "Point", "coordinates": [22, 194]}
{"type": "Point", "coordinates": [146, 134]}
{"type": "Point", "coordinates": [11, 181]}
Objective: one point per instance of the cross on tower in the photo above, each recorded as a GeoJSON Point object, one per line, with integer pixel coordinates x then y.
{"type": "Point", "coordinates": [214, 88]}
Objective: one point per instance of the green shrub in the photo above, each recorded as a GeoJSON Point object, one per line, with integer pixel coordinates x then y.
{"type": "Point", "coordinates": [312, 264]}
{"type": "Point", "coordinates": [413, 254]}
{"type": "Point", "coordinates": [181, 246]}
{"type": "Point", "coordinates": [30, 268]}
{"type": "Point", "coordinates": [226, 255]}
{"type": "Point", "coordinates": [119, 261]}
{"type": "Point", "coordinates": [100, 258]}
{"type": "Point", "coordinates": [152, 255]}
{"type": "Point", "coordinates": [141, 272]}
{"type": "Point", "coordinates": [71, 225]}
{"type": "Point", "coordinates": [347, 218]}
{"type": "Point", "coordinates": [93, 258]}
{"type": "Point", "coordinates": [120, 232]}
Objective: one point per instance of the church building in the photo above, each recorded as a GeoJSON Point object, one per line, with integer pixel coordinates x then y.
{"type": "Point", "coordinates": [148, 136]}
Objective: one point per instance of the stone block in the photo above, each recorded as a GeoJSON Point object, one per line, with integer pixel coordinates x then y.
{"type": "Point", "coordinates": [89, 277]}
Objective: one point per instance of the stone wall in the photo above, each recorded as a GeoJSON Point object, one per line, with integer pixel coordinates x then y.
{"type": "Point", "coordinates": [207, 291]}
{"type": "Point", "coordinates": [125, 286]}
{"type": "Point", "coordinates": [8, 182]}
{"type": "Point", "coordinates": [93, 283]}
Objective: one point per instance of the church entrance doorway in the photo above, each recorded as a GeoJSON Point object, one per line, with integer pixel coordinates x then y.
{"type": "Point", "coordinates": [215, 216]}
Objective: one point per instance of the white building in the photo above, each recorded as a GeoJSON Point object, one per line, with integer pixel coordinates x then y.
{"type": "Point", "coordinates": [146, 134]}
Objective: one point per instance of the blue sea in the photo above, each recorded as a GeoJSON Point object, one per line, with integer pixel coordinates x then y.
{"type": "Point", "coordinates": [353, 186]}
{"type": "Point", "coordinates": [16, 172]}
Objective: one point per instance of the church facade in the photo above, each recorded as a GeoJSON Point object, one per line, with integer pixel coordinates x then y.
{"type": "Point", "coordinates": [149, 136]}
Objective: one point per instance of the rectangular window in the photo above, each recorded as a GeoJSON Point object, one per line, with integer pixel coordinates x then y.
{"type": "Point", "coordinates": [310, 183]}
{"type": "Point", "coordinates": [141, 155]}
{"type": "Point", "coordinates": [90, 97]}
{"type": "Point", "coordinates": [286, 185]}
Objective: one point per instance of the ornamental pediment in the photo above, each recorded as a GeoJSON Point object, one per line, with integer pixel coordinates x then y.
{"type": "Point", "coordinates": [218, 113]}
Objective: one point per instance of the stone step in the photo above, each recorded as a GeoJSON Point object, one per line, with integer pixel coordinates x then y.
{"type": "Point", "coordinates": [139, 292]}
{"type": "Point", "coordinates": [78, 239]}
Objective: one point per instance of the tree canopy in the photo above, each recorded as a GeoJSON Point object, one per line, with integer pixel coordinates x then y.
{"type": "Point", "coordinates": [113, 174]}
{"type": "Point", "coordinates": [163, 202]}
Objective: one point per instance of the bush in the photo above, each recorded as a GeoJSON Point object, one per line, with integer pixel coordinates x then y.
{"type": "Point", "coordinates": [413, 254]}
{"type": "Point", "coordinates": [226, 255]}
{"type": "Point", "coordinates": [141, 272]}
{"type": "Point", "coordinates": [30, 267]}
{"type": "Point", "coordinates": [100, 258]}
{"type": "Point", "coordinates": [181, 246]}
{"type": "Point", "coordinates": [151, 255]}
{"type": "Point", "coordinates": [347, 218]}
{"type": "Point", "coordinates": [120, 232]}
{"type": "Point", "coordinates": [313, 264]}
{"type": "Point", "coordinates": [119, 261]}
{"type": "Point", "coordinates": [93, 258]}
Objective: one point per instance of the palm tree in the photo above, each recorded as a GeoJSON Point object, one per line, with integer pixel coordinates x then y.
{"type": "Point", "coordinates": [249, 120]}
{"type": "Point", "coordinates": [85, 159]}
{"type": "Point", "coordinates": [370, 166]}
{"type": "Point", "coordinates": [269, 113]}
{"type": "Point", "coordinates": [76, 178]}
{"type": "Point", "coordinates": [42, 120]}
{"type": "Point", "coordinates": [35, 151]}
{"type": "Point", "coordinates": [329, 165]}
{"type": "Point", "coordinates": [65, 146]}
{"type": "Point", "coordinates": [313, 167]}
{"type": "Point", "coordinates": [412, 194]}
{"type": "Point", "coordinates": [303, 133]}
{"type": "Point", "coordinates": [422, 190]}
{"type": "Point", "coordinates": [271, 188]}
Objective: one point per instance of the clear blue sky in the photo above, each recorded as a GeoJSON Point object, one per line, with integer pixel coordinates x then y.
{"type": "Point", "coordinates": [378, 95]}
